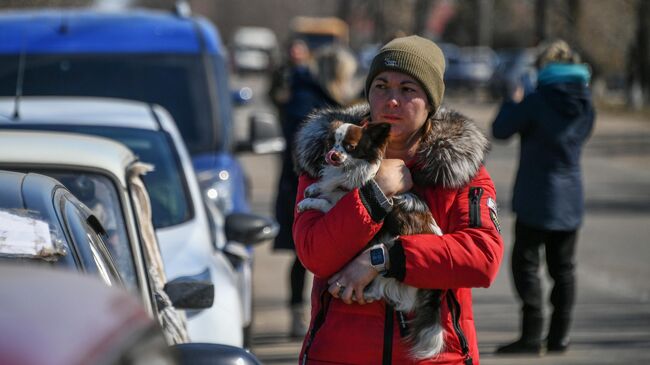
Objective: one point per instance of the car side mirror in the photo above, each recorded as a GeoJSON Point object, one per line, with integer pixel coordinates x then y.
{"type": "Point", "coordinates": [264, 135]}
{"type": "Point", "coordinates": [250, 228]}
{"type": "Point", "coordinates": [212, 353]}
{"type": "Point", "coordinates": [189, 294]}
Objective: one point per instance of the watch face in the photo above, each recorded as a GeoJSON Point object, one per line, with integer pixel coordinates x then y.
{"type": "Point", "coordinates": [376, 256]}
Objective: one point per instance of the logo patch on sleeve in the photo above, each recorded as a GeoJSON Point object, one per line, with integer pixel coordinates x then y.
{"type": "Point", "coordinates": [494, 213]}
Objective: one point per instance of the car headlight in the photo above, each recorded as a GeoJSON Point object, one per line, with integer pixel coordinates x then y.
{"type": "Point", "coordinates": [220, 192]}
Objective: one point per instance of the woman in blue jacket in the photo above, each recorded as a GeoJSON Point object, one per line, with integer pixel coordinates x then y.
{"type": "Point", "coordinates": [553, 123]}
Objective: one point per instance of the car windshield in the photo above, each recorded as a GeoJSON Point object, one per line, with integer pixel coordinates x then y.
{"type": "Point", "coordinates": [166, 184]}
{"type": "Point", "coordinates": [177, 82]}
{"type": "Point", "coordinates": [99, 194]}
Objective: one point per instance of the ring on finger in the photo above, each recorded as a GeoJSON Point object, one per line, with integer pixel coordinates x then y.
{"type": "Point", "coordinates": [341, 288]}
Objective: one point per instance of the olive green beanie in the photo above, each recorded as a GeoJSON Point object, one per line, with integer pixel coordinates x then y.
{"type": "Point", "coordinates": [417, 57]}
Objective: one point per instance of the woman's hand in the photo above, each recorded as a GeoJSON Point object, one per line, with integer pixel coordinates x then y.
{"type": "Point", "coordinates": [393, 177]}
{"type": "Point", "coordinates": [348, 284]}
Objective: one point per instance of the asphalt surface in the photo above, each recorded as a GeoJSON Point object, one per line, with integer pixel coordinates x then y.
{"type": "Point", "coordinates": [612, 314]}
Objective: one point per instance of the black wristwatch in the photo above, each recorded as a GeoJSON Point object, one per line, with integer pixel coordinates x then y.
{"type": "Point", "coordinates": [379, 258]}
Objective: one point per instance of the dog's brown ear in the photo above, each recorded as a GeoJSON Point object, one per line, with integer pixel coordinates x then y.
{"type": "Point", "coordinates": [378, 132]}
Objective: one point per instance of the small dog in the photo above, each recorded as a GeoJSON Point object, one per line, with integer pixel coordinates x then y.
{"type": "Point", "coordinates": [353, 158]}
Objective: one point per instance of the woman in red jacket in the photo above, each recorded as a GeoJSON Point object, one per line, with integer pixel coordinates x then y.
{"type": "Point", "coordinates": [436, 153]}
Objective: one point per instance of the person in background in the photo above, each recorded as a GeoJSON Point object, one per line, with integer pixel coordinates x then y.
{"type": "Point", "coordinates": [553, 124]}
{"type": "Point", "coordinates": [308, 81]}
{"type": "Point", "coordinates": [438, 153]}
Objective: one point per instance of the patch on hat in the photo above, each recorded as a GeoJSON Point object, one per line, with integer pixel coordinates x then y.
{"type": "Point", "coordinates": [494, 213]}
{"type": "Point", "coordinates": [390, 62]}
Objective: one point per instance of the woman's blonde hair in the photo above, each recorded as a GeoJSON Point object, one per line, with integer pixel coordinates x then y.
{"type": "Point", "coordinates": [334, 68]}
{"type": "Point", "coordinates": [556, 51]}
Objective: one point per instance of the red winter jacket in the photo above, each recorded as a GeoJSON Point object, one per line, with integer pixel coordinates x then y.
{"type": "Point", "coordinates": [462, 200]}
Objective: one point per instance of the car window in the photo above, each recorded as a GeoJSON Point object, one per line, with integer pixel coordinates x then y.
{"type": "Point", "coordinates": [100, 194]}
{"type": "Point", "coordinates": [91, 247]}
{"type": "Point", "coordinates": [177, 82]}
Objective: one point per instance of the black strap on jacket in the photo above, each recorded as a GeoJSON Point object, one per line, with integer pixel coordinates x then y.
{"type": "Point", "coordinates": [325, 299]}
{"type": "Point", "coordinates": [454, 309]}
{"type": "Point", "coordinates": [387, 356]}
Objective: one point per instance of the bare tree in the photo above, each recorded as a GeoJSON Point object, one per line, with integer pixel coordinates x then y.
{"type": "Point", "coordinates": [421, 15]}
{"type": "Point", "coordinates": [639, 60]}
{"type": "Point", "coordinates": [540, 20]}
{"type": "Point", "coordinates": [485, 22]}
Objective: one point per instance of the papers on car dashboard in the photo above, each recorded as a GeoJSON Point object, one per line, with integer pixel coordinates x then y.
{"type": "Point", "coordinates": [25, 236]}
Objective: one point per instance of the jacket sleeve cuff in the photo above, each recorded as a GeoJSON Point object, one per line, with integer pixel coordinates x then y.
{"type": "Point", "coordinates": [377, 204]}
{"type": "Point", "coordinates": [397, 261]}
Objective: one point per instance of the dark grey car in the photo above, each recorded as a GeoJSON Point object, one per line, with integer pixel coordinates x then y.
{"type": "Point", "coordinates": [73, 236]}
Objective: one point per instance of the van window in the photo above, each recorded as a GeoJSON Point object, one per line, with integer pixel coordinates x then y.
{"type": "Point", "coordinates": [178, 82]}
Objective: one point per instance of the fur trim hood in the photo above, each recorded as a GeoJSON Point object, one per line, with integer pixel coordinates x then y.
{"type": "Point", "coordinates": [450, 154]}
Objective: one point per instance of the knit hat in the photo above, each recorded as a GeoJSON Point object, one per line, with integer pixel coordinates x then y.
{"type": "Point", "coordinates": [417, 57]}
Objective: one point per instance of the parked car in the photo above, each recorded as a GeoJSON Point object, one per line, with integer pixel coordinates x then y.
{"type": "Point", "coordinates": [320, 31]}
{"type": "Point", "coordinates": [54, 317]}
{"type": "Point", "coordinates": [469, 68]}
{"type": "Point", "coordinates": [516, 67]}
{"type": "Point", "coordinates": [107, 181]}
{"type": "Point", "coordinates": [175, 60]}
{"type": "Point", "coordinates": [42, 223]}
{"type": "Point", "coordinates": [254, 49]}
{"type": "Point", "coordinates": [193, 236]}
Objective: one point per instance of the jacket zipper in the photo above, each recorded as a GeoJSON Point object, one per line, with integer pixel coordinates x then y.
{"type": "Point", "coordinates": [325, 299]}
{"type": "Point", "coordinates": [454, 309]}
{"type": "Point", "coordinates": [475, 195]}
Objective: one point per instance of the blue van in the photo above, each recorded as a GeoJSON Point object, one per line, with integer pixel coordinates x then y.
{"type": "Point", "coordinates": [174, 60]}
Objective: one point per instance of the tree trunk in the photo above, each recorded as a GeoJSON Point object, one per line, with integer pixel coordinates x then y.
{"type": "Point", "coordinates": [421, 15]}
{"type": "Point", "coordinates": [643, 43]}
{"type": "Point", "coordinates": [485, 22]}
{"type": "Point", "coordinates": [540, 20]}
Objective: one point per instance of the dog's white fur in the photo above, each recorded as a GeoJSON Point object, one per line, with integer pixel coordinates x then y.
{"type": "Point", "coordinates": [336, 181]}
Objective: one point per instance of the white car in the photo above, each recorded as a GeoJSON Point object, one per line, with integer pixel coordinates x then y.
{"type": "Point", "coordinates": [192, 240]}
{"type": "Point", "coordinates": [254, 48]}
{"type": "Point", "coordinates": [107, 181]}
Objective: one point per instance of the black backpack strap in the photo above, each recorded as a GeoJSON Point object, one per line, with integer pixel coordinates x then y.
{"type": "Point", "coordinates": [388, 336]}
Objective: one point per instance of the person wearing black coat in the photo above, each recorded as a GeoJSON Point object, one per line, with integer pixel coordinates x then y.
{"type": "Point", "coordinates": [306, 83]}
{"type": "Point", "coordinates": [553, 123]}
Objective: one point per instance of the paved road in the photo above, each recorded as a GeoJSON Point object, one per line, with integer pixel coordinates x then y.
{"type": "Point", "coordinates": [612, 324]}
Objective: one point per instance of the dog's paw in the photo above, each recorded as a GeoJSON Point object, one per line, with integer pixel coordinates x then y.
{"type": "Point", "coordinates": [305, 205]}
{"type": "Point", "coordinates": [371, 295]}
{"type": "Point", "coordinates": [373, 291]}
{"type": "Point", "coordinates": [312, 191]}
{"type": "Point", "coordinates": [312, 203]}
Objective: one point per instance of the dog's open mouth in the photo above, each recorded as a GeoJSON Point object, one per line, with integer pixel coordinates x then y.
{"type": "Point", "coordinates": [333, 158]}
